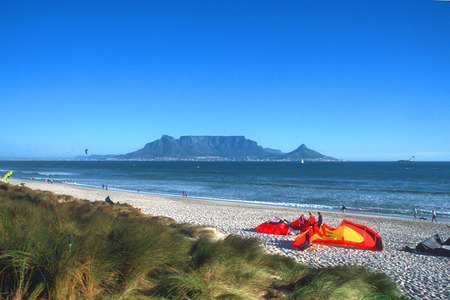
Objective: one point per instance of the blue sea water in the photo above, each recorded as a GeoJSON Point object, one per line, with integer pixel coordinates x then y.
{"type": "Point", "coordinates": [386, 188]}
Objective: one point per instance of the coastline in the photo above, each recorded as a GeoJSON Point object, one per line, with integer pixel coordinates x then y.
{"type": "Point", "coordinates": [418, 276]}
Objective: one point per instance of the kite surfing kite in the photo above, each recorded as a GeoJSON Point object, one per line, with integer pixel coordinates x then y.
{"type": "Point", "coordinates": [86, 151]}
{"type": "Point", "coordinates": [347, 234]}
{"type": "Point", "coordinates": [283, 227]}
{"type": "Point", "coordinates": [432, 245]}
{"type": "Point", "coordinates": [6, 176]}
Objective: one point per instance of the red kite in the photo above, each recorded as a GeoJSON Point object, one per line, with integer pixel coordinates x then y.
{"type": "Point", "coordinates": [283, 227]}
{"type": "Point", "coordinates": [347, 234]}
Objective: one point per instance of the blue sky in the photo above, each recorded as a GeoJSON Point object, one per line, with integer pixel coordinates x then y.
{"type": "Point", "coordinates": [357, 80]}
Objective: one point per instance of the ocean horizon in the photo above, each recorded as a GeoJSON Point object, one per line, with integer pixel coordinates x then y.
{"type": "Point", "coordinates": [380, 188]}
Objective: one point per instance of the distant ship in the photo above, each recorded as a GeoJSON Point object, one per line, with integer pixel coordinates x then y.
{"type": "Point", "coordinates": [407, 160]}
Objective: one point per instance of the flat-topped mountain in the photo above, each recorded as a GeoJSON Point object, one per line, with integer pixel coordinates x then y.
{"type": "Point", "coordinates": [217, 148]}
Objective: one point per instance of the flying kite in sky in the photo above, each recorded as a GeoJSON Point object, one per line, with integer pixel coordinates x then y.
{"type": "Point", "coordinates": [86, 151]}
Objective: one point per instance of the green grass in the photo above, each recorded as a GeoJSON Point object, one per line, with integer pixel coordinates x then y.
{"type": "Point", "coordinates": [115, 252]}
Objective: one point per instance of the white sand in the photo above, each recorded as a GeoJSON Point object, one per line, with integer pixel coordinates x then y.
{"type": "Point", "coordinates": [418, 276]}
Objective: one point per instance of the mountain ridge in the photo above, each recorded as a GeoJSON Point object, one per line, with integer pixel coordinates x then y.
{"type": "Point", "coordinates": [218, 148]}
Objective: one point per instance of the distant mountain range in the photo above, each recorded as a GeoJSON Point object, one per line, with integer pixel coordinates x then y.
{"type": "Point", "coordinates": [215, 148]}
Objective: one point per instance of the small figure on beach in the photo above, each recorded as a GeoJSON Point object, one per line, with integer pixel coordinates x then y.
{"type": "Point", "coordinates": [103, 186]}
{"type": "Point", "coordinates": [106, 187]}
{"type": "Point", "coordinates": [433, 216]}
{"type": "Point", "coordinates": [415, 213]}
{"type": "Point", "coordinates": [319, 222]}
{"type": "Point", "coordinates": [185, 194]}
{"type": "Point", "coordinates": [343, 208]}
{"type": "Point", "coordinates": [312, 220]}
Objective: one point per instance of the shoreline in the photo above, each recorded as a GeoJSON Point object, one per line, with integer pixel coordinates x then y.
{"type": "Point", "coordinates": [249, 202]}
{"type": "Point", "coordinates": [417, 276]}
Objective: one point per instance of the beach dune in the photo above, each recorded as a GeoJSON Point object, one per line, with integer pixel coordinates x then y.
{"type": "Point", "coordinates": [418, 276]}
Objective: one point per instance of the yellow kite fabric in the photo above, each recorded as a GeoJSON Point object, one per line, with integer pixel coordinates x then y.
{"type": "Point", "coordinates": [347, 234]}
{"type": "Point", "coordinates": [6, 176]}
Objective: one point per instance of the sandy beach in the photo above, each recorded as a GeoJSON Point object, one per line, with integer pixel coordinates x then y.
{"type": "Point", "coordinates": [418, 276]}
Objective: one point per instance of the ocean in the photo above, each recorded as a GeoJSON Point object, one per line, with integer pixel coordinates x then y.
{"type": "Point", "coordinates": [382, 188]}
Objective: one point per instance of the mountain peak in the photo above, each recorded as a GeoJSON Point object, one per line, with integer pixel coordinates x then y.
{"type": "Point", "coordinates": [303, 152]}
{"type": "Point", "coordinates": [167, 137]}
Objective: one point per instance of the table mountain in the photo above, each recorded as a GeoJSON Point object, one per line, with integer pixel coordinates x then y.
{"type": "Point", "coordinates": [216, 148]}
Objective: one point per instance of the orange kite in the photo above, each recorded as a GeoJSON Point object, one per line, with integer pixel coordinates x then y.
{"type": "Point", "coordinates": [347, 234]}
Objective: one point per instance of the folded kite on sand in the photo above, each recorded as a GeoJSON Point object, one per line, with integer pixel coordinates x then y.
{"type": "Point", "coordinates": [347, 234]}
{"type": "Point", "coordinates": [283, 227]}
{"type": "Point", "coordinates": [432, 245]}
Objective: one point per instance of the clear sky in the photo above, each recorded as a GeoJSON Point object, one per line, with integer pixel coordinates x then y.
{"type": "Point", "coordinates": [356, 79]}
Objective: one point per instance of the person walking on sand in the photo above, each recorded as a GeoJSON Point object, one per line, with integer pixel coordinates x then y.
{"type": "Point", "coordinates": [433, 216]}
{"type": "Point", "coordinates": [319, 222]}
{"type": "Point", "coordinates": [415, 213]}
{"type": "Point", "coordinates": [343, 208]}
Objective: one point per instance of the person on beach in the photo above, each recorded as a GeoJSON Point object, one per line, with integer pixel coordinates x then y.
{"type": "Point", "coordinates": [415, 213]}
{"type": "Point", "coordinates": [433, 216]}
{"type": "Point", "coordinates": [319, 222]}
{"type": "Point", "coordinates": [312, 220]}
{"type": "Point", "coordinates": [343, 208]}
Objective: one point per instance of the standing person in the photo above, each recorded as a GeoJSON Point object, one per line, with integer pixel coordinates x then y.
{"type": "Point", "coordinates": [433, 216]}
{"type": "Point", "coordinates": [312, 220]}
{"type": "Point", "coordinates": [319, 222]}
{"type": "Point", "coordinates": [415, 213]}
{"type": "Point", "coordinates": [343, 208]}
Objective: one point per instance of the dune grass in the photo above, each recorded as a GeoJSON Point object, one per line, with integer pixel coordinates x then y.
{"type": "Point", "coordinates": [58, 247]}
